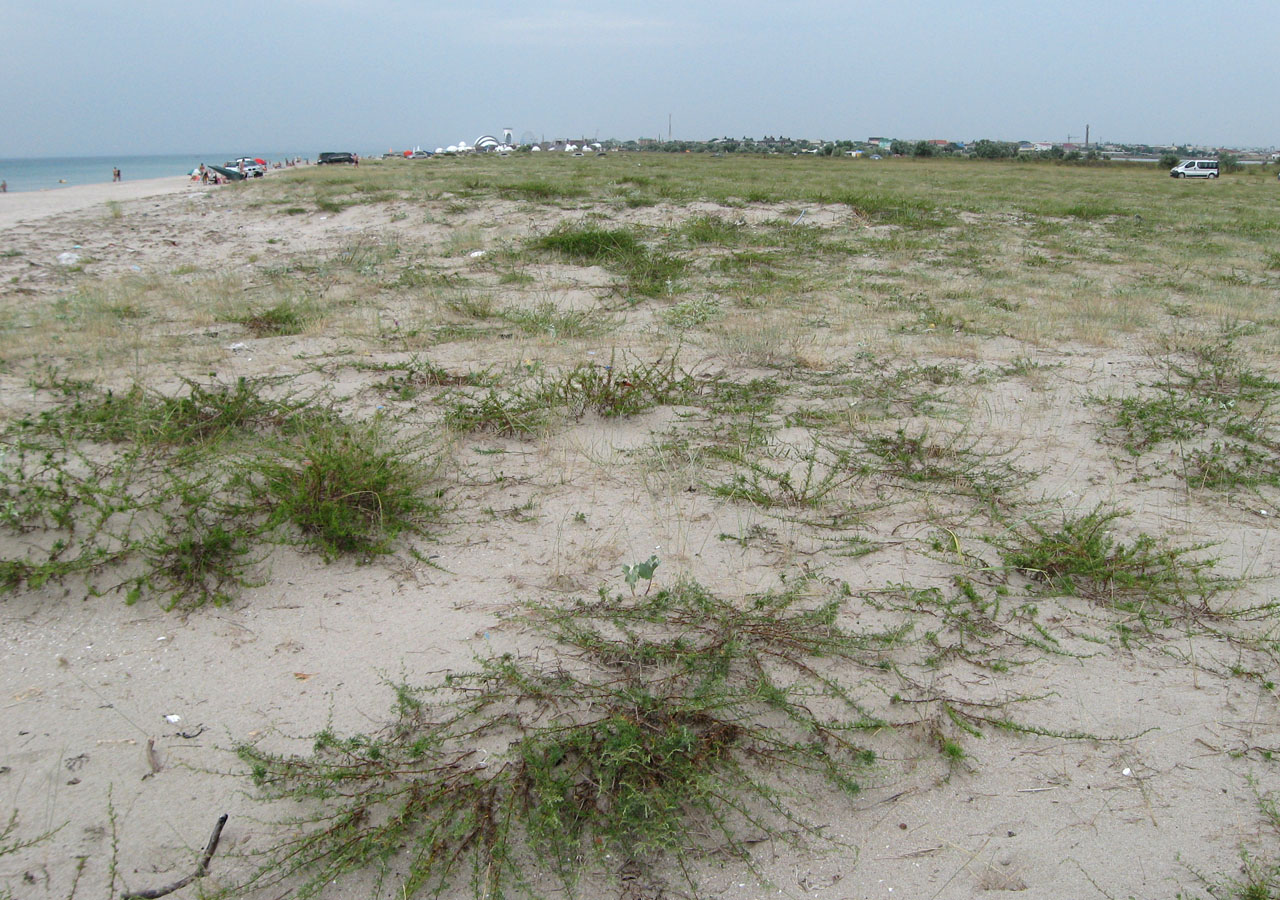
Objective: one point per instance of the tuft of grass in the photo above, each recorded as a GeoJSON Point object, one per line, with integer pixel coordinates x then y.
{"type": "Point", "coordinates": [511, 413]}
{"type": "Point", "coordinates": [1083, 557]}
{"type": "Point", "coordinates": [649, 273]}
{"type": "Point", "coordinates": [552, 321]}
{"type": "Point", "coordinates": [541, 190]}
{"type": "Point", "coordinates": [349, 488]}
{"type": "Point", "coordinates": [894, 209]}
{"type": "Point", "coordinates": [660, 729]}
{"type": "Point", "coordinates": [618, 389]}
{"type": "Point", "coordinates": [591, 245]}
{"type": "Point", "coordinates": [285, 318]}
{"type": "Point", "coordinates": [714, 230]}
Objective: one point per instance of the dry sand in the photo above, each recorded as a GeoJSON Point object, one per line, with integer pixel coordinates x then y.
{"type": "Point", "coordinates": [117, 720]}
{"type": "Point", "coordinates": [21, 207]}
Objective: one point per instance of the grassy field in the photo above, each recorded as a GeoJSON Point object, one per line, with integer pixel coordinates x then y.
{"type": "Point", "coordinates": [811, 472]}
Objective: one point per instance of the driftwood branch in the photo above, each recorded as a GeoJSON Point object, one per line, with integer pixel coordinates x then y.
{"type": "Point", "coordinates": [209, 849]}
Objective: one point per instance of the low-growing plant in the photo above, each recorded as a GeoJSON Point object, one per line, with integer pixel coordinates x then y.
{"type": "Point", "coordinates": [1082, 556]}
{"type": "Point", "coordinates": [512, 413]}
{"type": "Point", "coordinates": [618, 389]}
{"type": "Point", "coordinates": [634, 572]}
{"type": "Point", "coordinates": [284, 318]}
{"type": "Point", "coordinates": [125, 492]}
{"type": "Point", "coordinates": [202, 414]}
{"type": "Point", "coordinates": [713, 230]}
{"type": "Point", "coordinates": [649, 273]}
{"type": "Point", "coordinates": [11, 842]}
{"type": "Point", "coordinates": [953, 464]}
{"type": "Point", "coordinates": [1259, 873]}
{"type": "Point", "coordinates": [349, 488]}
{"type": "Point", "coordinates": [552, 321]}
{"type": "Point", "coordinates": [541, 190]}
{"type": "Point", "coordinates": [1214, 408]}
{"type": "Point", "coordinates": [666, 725]}
{"type": "Point", "coordinates": [786, 476]}
{"type": "Point", "coordinates": [202, 552]}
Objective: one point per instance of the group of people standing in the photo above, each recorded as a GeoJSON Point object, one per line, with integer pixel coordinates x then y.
{"type": "Point", "coordinates": [115, 174]}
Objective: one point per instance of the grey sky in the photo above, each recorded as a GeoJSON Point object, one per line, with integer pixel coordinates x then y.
{"type": "Point", "coordinates": [145, 76]}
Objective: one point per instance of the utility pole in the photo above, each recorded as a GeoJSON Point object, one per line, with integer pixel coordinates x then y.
{"type": "Point", "coordinates": [668, 128]}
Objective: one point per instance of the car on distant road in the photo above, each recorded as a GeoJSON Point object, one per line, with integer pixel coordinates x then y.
{"type": "Point", "coordinates": [335, 158]}
{"type": "Point", "coordinates": [252, 168]}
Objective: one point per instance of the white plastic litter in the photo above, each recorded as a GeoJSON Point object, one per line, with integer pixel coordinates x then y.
{"type": "Point", "coordinates": [476, 254]}
{"type": "Point", "coordinates": [173, 719]}
{"type": "Point", "coordinates": [68, 258]}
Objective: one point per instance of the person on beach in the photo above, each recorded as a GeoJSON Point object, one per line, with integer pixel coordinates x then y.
{"type": "Point", "coordinates": [115, 174]}
{"type": "Point", "coordinates": [4, 187]}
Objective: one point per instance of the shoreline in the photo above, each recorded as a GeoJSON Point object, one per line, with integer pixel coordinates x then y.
{"type": "Point", "coordinates": [19, 207]}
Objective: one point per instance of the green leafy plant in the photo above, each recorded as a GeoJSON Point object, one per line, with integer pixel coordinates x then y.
{"type": "Point", "coordinates": [634, 572]}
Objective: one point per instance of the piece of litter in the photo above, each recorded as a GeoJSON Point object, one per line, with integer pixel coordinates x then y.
{"type": "Point", "coordinates": [68, 258]}
{"type": "Point", "coordinates": [238, 346]}
{"type": "Point", "coordinates": [173, 719]}
{"type": "Point", "coordinates": [476, 254]}
{"type": "Point", "coordinates": [1127, 771]}
{"type": "Point", "coordinates": [136, 268]}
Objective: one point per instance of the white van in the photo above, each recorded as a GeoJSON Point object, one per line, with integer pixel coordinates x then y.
{"type": "Point", "coordinates": [1195, 168]}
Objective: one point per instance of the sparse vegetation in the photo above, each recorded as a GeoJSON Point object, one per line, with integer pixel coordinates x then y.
{"type": "Point", "coordinates": [670, 716]}
{"type": "Point", "coordinates": [892, 414]}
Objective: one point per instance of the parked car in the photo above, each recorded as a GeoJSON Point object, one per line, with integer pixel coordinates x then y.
{"type": "Point", "coordinates": [252, 168]}
{"type": "Point", "coordinates": [335, 158]}
{"type": "Point", "coordinates": [1195, 168]}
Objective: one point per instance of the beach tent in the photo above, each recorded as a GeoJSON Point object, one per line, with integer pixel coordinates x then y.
{"type": "Point", "coordinates": [229, 174]}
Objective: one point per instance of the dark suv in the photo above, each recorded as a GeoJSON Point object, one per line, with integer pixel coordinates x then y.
{"type": "Point", "coordinates": [330, 158]}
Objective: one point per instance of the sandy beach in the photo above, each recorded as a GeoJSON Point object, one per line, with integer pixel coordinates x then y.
{"type": "Point", "coordinates": [20, 207]}
{"type": "Point", "coordinates": [1026, 742]}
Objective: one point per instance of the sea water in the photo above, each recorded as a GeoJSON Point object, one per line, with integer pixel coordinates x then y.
{"type": "Point", "coordinates": [48, 173]}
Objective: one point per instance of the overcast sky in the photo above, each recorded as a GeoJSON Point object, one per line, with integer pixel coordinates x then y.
{"type": "Point", "coordinates": [79, 77]}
